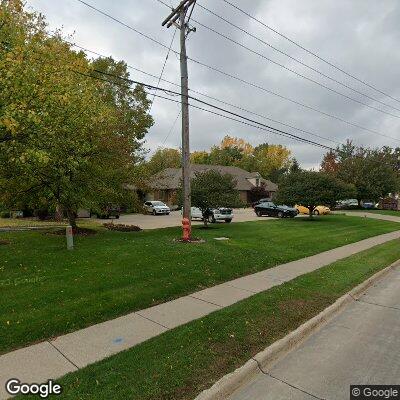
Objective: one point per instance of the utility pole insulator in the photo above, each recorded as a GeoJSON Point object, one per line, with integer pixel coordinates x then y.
{"type": "Point", "coordinates": [179, 14]}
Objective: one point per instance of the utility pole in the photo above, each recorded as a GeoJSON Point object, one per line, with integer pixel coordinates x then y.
{"type": "Point", "coordinates": [180, 14]}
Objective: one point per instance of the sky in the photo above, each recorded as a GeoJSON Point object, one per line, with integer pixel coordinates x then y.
{"type": "Point", "coordinates": [359, 36]}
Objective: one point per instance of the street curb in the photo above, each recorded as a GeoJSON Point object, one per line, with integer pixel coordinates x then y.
{"type": "Point", "coordinates": [264, 359]}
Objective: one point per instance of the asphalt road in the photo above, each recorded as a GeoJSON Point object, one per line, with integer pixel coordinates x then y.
{"type": "Point", "coordinates": [360, 346]}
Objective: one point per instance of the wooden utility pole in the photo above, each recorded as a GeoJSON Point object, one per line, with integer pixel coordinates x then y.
{"type": "Point", "coordinates": [180, 14]}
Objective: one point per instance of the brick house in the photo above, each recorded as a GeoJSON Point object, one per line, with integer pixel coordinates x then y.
{"type": "Point", "coordinates": [165, 184]}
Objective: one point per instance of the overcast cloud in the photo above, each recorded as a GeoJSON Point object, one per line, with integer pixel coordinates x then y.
{"type": "Point", "coordinates": [361, 36]}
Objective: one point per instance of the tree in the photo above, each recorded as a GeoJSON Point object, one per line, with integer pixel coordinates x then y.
{"type": "Point", "coordinates": [211, 189]}
{"type": "Point", "coordinates": [67, 141]}
{"type": "Point", "coordinates": [295, 166]}
{"type": "Point", "coordinates": [329, 163]}
{"type": "Point", "coordinates": [271, 161]}
{"type": "Point", "coordinates": [372, 174]}
{"type": "Point", "coordinates": [200, 157]}
{"type": "Point", "coordinates": [310, 189]}
{"type": "Point", "coordinates": [162, 159]}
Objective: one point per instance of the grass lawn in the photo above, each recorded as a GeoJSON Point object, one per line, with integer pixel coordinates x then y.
{"type": "Point", "coordinates": [383, 212]}
{"type": "Point", "coordinates": [47, 291]}
{"type": "Point", "coordinates": [28, 222]}
{"type": "Point", "coordinates": [179, 364]}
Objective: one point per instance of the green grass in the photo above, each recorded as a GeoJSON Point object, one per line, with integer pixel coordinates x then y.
{"type": "Point", "coordinates": [382, 212]}
{"type": "Point", "coordinates": [30, 222]}
{"type": "Point", "coordinates": [179, 364]}
{"type": "Point", "coordinates": [47, 291]}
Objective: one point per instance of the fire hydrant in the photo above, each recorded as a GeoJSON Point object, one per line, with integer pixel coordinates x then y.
{"type": "Point", "coordinates": [187, 229]}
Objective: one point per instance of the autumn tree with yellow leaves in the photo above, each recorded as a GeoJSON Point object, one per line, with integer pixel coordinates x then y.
{"type": "Point", "coordinates": [271, 161]}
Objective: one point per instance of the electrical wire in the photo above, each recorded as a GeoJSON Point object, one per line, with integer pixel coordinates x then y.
{"type": "Point", "coordinates": [292, 70]}
{"type": "Point", "coordinates": [238, 78]}
{"type": "Point", "coordinates": [309, 51]}
{"type": "Point", "coordinates": [217, 99]}
{"type": "Point", "coordinates": [163, 67]}
{"type": "Point", "coordinates": [293, 58]}
{"type": "Point", "coordinates": [246, 121]}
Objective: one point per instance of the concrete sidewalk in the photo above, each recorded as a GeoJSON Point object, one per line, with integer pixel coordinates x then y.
{"type": "Point", "coordinates": [359, 346]}
{"type": "Point", "coordinates": [67, 353]}
{"type": "Point", "coordinates": [366, 214]}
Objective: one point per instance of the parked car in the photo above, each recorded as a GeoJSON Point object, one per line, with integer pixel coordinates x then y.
{"type": "Point", "coordinates": [269, 209]}
{"type": "Point", "coordinates": [256, 203]}
{"type": "Point", "coordinates": [368, 205]}
{"type": "Point", "coordinates": [220, 214]}
{"type": "Point", "coordinates": [346, 204]}
{"type": "Point", "coordinates": [319, 210]}
{"type": "Point", "coordinates": [195, 213]}
{"type": "Point", "coordinates": [156, 208]}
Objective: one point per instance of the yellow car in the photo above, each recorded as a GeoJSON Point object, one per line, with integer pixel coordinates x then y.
{"type": "Point", "coordinates": [319, 210]}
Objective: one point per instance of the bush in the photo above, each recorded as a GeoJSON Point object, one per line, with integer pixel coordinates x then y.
{"type": "Point", "coordinates": [5, 214]}
{"type": "Point", "coordinates": [122, 228]}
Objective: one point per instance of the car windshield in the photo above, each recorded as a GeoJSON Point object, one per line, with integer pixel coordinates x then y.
{"type": "Point", "coordinates": [158, 203]}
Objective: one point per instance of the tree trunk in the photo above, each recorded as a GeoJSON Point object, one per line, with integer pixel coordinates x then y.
{"type": "Point", "coordinates": [71, 215]}
{"type": "Point", "coordinates": [205, 221]}
{"type": "Point", "coordinates": [310, 211]}
{"type": "Point", "coordinates": [59, 213]}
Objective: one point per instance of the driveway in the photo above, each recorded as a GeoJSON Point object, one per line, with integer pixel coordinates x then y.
{"type": "Point", "coordinates": [175, 219]}
{"type": "Point", "coordinates": [360, 346]}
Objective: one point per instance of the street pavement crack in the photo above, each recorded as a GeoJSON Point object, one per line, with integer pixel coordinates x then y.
{"type": "Point", "coordinates": [378, 305]}
{"type": "Point", "coordinates": [287, 383]}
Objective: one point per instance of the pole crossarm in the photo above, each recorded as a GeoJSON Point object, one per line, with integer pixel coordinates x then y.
{"type": "Point", "coordinates": [175, 14]}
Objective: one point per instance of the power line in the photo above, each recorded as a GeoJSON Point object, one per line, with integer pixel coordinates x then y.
{"type": "Point", "coordinates": [310, 52]}
{"type": "Point", "coordinates": [216, 99]}
{"type": "Point", "coordinates": [171, 129]}
{"type": "Point", "coordinates": [292, 70]}
{"type": "Point", "coordinates": [124, 24]}
{"type": "Point", "coordinates": [164, 65]}
{"type": "Point", "coordinates": [247, 121]}
{"type": "Point", "coordinates": [291, 100]}
{"type": "Point", "coordinates": [293, 58]}
{"type": "Point", "coordinates": [295, 72]}
{"type": "Point", "coordinates": [240, 79]}
{"type": "Point", "coordinates": [167, 91]}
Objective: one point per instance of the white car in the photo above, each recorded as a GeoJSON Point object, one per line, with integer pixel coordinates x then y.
{"type": "Point", "coordinates": [156, 208]}
{"type": "Point", "coordinates": [196, 213]}
{"type": "Point", "coordinates": [220, 214]}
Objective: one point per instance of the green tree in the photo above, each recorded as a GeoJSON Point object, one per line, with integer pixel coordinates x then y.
{"type": "Point", "coordinates": [66, 140]}
{"type": "Point", "coordinates": [371, 172]}
{"type": "Point", "coordinates": [310, 189]}
{"type": "Point", "coordinates": [211, 189]}
{"type": "Point", "coordinates": [162, 159]}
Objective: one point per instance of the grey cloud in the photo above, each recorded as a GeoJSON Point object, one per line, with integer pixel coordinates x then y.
{"type": "Point", "coordinates": [360, 36]}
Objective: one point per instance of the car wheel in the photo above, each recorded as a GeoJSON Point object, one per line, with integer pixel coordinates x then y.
{"type": "Point", "coordinates": [258, 213]}
{"type": "Point", "coordinates": [280, 214]}
{"type": "Point", "coordinates": [117, 217]}
{"type": "Point", "coordinates": [316, 212]}
{"type": "Point", "coordinates": [228, 221]}
{"type": "Point", "coordinates": [292, 215]}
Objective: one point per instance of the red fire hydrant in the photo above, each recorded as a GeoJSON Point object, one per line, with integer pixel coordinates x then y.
{"type": "Point", "coordinates": [187, 230]}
